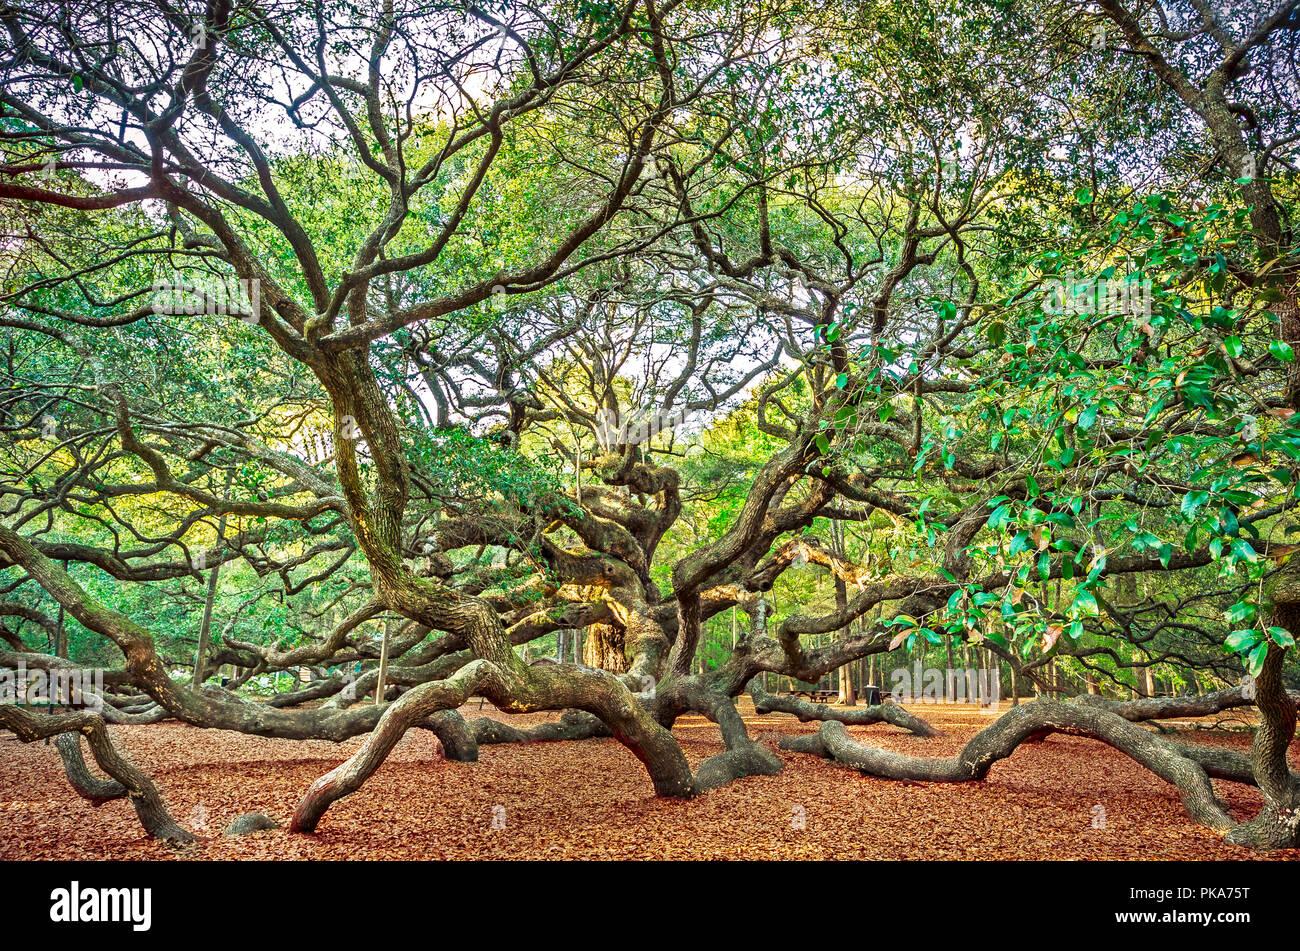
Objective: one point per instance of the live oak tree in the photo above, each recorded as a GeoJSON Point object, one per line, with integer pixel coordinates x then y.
{"type": "Point", "coordinates": [437, 331]}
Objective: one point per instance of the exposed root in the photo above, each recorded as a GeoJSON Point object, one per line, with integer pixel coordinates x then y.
{"type": "Point", "coordinates": [250, 822]}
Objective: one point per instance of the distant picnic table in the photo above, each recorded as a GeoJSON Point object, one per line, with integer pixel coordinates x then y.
{"type": "Point", "coordinates": [816, 696]}
{"type": "Point", "coordinates": [870, 694]}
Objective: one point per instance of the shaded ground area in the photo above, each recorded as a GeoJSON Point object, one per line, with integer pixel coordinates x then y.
{"type": "Point", "coordinates": [592, 799]}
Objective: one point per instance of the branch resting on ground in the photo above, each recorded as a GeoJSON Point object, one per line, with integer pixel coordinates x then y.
{"type": "Point", "coordinates": [1028, 722]}
{"type": "Point", "coordinates": [128, 780]}
{"type": "Point", "coordinates": [806, 710]}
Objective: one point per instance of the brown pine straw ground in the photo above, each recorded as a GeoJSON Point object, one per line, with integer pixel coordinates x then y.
{"type": "Point", "coordinates": [593, 800]}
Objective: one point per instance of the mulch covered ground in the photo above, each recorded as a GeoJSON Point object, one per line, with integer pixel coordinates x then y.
{"type": "Point", "coordinates": [592, 799]}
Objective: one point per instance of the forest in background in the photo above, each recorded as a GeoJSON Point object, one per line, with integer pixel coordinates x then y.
{"type": "Point", "coordinates": [360, 360]}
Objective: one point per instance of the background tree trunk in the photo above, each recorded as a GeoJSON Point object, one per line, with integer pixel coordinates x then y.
{"type": "Point", "coordinates": [605, 648]}
{"type": "Point", "coordinates": [210, 597]}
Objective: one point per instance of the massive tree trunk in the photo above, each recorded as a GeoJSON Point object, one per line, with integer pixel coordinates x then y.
{"type": "Point", "coordinates": [1277, 825]}
{"type": "Point", "coordinates": [605, 648]}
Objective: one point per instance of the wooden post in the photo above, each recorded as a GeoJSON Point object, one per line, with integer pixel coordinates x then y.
{"type": "Point", "coordinates": [210, 597]}
{"type": "Point", "coordinates": [60, 647]}
{"type": "Point", "coordinates": [383, 665]}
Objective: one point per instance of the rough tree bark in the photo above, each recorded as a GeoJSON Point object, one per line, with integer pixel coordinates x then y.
{"type": "Point", "coordinates": [1277, 825]}
{"type": "Point", "coordinates": [604, 648]}
{"type": "Point", "coordinates": [1027, 722]}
